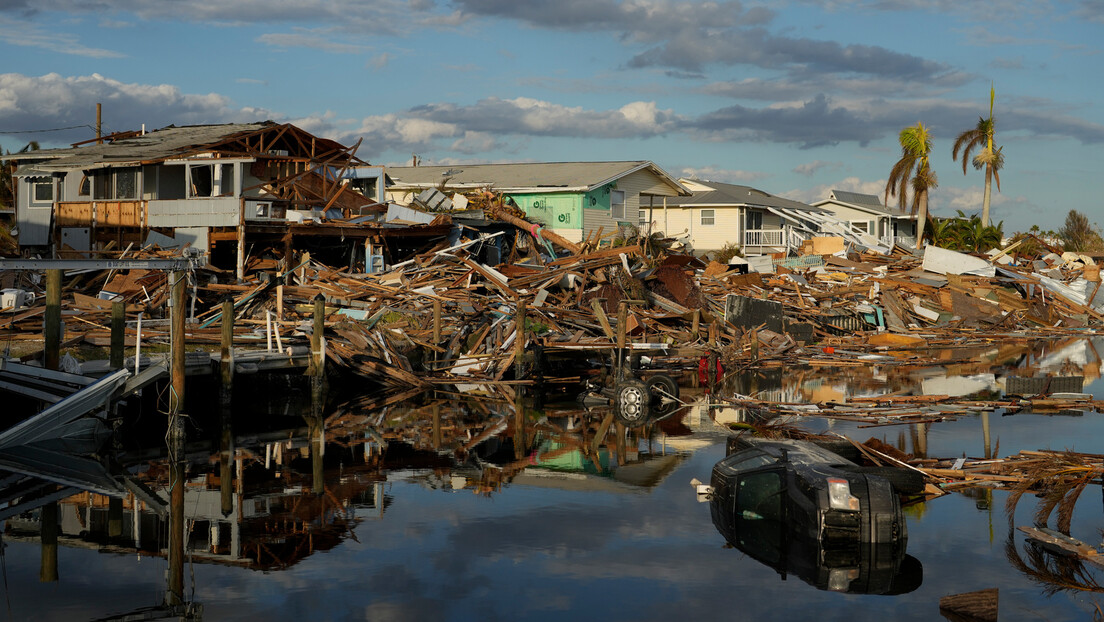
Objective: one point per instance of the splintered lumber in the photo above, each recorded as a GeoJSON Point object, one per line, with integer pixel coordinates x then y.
{"type": "Point", "coordinates": [1062, 544]}
{"type": "Point", "coordinates": [535, 230]}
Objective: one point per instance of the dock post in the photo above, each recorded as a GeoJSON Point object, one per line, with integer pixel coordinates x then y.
{"type": "Point", "coordinates": [318, 449]}
{"type": "Point", "coordinates": [622, 333]}
{"type": "Point", "coordinates": [48, 533]}
{"type": "Point", "coordinates": [118, 334]}
{"type": "Point", "coordinates": [317, 362]}
{"type": "Point", "coordinates": [175, 593]}
{"type": "Point", "coordinates": [52, 327]}
{"type": "Point", "coordinates": [519, 341]}
{"type": "Point", "coordinates": [435, 410]}
{"type": "Point", "coordinates": [227, 354]}
{"type": "Point", "coordinates": [48, 518]}
{"type": "Point", "coordinates": [226, 456]}
{"type": "Point", "coordinates": [114, 517]}
{"type": "Point", "coordinates": [436, 331]}
{"type": "Point", "coordinates": [176, 342]}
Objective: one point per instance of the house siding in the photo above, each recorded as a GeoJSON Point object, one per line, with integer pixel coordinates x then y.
{"type": "Point", "coordinates": [685, 222]}
{"type": "Point", "coordinates": [552, 210]}
{"type": "Point", "coordinates": [633, 185]}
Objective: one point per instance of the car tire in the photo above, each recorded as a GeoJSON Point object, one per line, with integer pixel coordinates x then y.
{"type": "Point", "coordinates": [904, 481]}
{"type": "Point", "coordinates": [667, 385]}
{"type": "Point", "coordinates": [632, 402]}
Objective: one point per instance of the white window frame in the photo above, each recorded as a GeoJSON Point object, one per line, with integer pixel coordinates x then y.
{"type": "Point", "coordinates": [712, 216]}
{"type": "Point", "coordinates": [39, 182]}
{"type": "Point", "coordinates": [614, 203]}
{"type": "Point", "coordinates": [861, 225]}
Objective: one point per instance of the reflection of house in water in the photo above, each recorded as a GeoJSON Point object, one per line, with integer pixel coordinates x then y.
{"type": "Point", "coordinates": [272, 521]}
{"type": "Point", "coordinates": [560, 466]}
{"type": "Point", "coordinates": [1071, 357]}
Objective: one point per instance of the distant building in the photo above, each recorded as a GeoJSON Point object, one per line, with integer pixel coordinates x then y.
{"type": "Point", "coordinates": [216, 187]}
{"type": "Point", "coordinates": [866, 213]}
{"type": "Point", "coordinates": [573, 199]}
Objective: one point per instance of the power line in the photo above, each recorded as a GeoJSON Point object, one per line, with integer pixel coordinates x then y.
{"type": "Point", "coordinates": [56, 129]}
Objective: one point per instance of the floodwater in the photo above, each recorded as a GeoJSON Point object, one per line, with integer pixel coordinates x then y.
{"type": "Point", "coordinates": [454, 507]}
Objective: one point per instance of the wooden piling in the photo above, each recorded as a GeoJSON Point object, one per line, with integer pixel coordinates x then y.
{"type": "Point", "coordinates": [317, 363]}
{"type": "Point", "coordinates": [114, 517]}
{"type": "Point", "coordinates": [436, 330]}
{"type": "Point", "coordinates": [227, 354]}
{"type": "Point", "coordinates": [317, 453]}
{"type": "Point", "coordinates": [622, 334]}
{"type": "Point", "coordinates": [118, 334]}
{"type": "Point", "coordinates": [695, 323]}
{"type": "Point", "coordinates": [519, 340]}
{"type": "Point", "coordinates": [226, 456]}
{"type": "Point", "coordinates": [52, 319]}
{"type": "Point", "coordinates": [48, 537]}
{"type": "Point", "coordinates": [176, 342]}
{"type": "Point", "coordinates": [175, 593]}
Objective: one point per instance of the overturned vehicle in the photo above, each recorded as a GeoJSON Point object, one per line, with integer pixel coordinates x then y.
{"type": "Point", "coordinates": [804, 510]}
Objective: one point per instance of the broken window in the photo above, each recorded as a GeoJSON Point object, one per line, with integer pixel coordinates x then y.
{"type": "Point", "coordinates": [84, 189]}
{"type": "Point", "coordinates": [103, 186]}
{"type": "Point", "coordinates": [126, 183]}
{"type": "Point", "coordinates": [226, 180]}
{"type": "Point", "coordinates": [201, 179]}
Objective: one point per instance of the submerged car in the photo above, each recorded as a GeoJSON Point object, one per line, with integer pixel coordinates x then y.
{"type": "Point", "coordinates": [801, 508]}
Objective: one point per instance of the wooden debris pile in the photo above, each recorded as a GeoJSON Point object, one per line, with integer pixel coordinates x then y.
{"type": "Point", "coordinates": [445, 316]}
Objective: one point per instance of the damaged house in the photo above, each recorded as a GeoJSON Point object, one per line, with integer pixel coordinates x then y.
{"type": "Point", "coordinates": [225, 189]}
{"type": "Point", "coordinates": [575, 200]}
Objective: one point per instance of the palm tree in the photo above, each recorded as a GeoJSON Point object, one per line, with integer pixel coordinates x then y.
{"type": "Point", "coordinates": [989, 158]}
{"type": "Point", "coordinates": [914, 168]}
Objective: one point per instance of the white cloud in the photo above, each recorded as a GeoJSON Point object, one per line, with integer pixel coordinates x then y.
{"type": "Point", "coordinates": [27, 34]}
{"type": "Point", "coordinates": [811, 168]}
{"type": "Point", "coordinates": [722, 175]}
{"type": "Point", "coordinates": [53, 100]}
{"type": "Point", "coordinates": [848, 184]}
{"type": "Point", "coordinates": [311, 40]}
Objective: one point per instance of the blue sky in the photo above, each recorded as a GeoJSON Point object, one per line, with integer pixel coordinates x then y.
{"type": "Point", "coordinates": [794, 98]}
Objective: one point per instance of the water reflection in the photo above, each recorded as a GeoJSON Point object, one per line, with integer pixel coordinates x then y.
{"type": "Point", "coordinates": [555, 499]}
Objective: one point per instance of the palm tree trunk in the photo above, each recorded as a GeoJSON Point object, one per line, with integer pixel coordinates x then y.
{"type": "Point", "coordinates": [988, 193]}
{"type": "Point", "coordinates": [921, 219]}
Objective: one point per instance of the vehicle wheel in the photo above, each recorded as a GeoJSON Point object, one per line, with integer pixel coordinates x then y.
{"type": "Point", "coordinates": [667, 385]}
{"type": "Point", "coordinates": [632, 402]}
{"type": "Point", "coordinates": [904, 481]}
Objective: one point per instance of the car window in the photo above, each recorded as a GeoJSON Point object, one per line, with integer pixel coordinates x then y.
{"type": "Point", "coordinates": [753, 460]}
{"type": "Point", "coordinates": [759, 496]}
{"type": "Point", "coordinates": [759, 515]}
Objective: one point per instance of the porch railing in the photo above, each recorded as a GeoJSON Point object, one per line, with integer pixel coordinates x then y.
{"type": "Point", "coordinates": [763, 237]}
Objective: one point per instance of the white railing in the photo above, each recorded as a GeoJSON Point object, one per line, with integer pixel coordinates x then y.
{"type": "Point", "coordinates": [795, 238]}
{"type": "Point", "coordinates": [763, 237]}
{"type": "Point", "coordinates": [903, 240]}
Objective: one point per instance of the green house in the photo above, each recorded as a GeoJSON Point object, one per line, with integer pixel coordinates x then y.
{"type": "Point", "coordinates": [573, 199]}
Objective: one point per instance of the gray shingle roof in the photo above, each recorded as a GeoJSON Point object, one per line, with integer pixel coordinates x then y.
{"type": "Point", "coordinates": [550, 176]}
{"type": "Point", "coordinates": [868, 202]}
{"type": "Point", "coordinates": [723, 194]}
{"type": "Point", "coordinates": [155, 145]}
